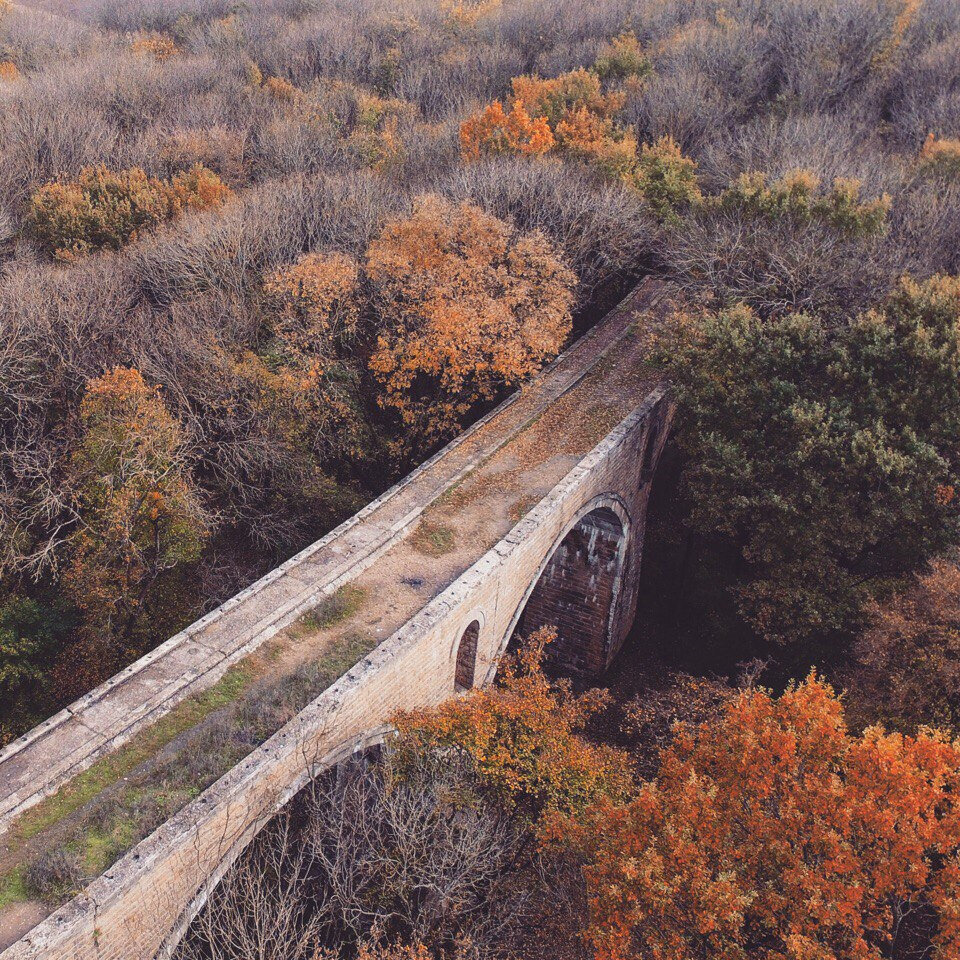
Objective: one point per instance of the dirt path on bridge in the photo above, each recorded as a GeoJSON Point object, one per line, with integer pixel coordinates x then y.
{"type": "Point", "coordinates": [454, 532]}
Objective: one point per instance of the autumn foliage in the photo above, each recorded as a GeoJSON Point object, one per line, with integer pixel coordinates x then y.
{"type": "Point", "coordinates": [152, 43]}
{"type": "Point", "coordinates": [303, 384]}
{"type": "Point", "coordinates": [570, 112]}
{"type": "Point", "coordinates": [775, 833]}
{"type": "Point", "coordinates": [466, 305]}
{"type": "Point", "coordinates": [281, 89]}
{"type": "Point", "coordinates": [940, 157]}
{"type": "Point", "coordinates": [497, 131]}
{"type": "Point", "coordinates": [523, 737]}
{"type": "Point", "coordinates": [907, 662]}
{"type": "Point", "coordinates": [139, 514]}
{"type": "Point", "coordinates": [578, 115]}
{"type": "Point", "coordinates": [463, 15]}
{"type": "Point", "coordinates": [316, 301]}
{"type": "Point", "coordinates": [556, 98]}
{"type": "Point", "coordinates": [103, 210]}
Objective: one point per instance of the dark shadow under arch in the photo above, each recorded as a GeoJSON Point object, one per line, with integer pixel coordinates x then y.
{"type": "Point", "coordinates": [577, 593]}
{"type": "Point", "coordinates": [649, 450]}
{"type": "Point", "coordinates": [466, 672]}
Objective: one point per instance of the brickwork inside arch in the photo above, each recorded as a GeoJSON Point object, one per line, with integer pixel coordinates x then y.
{"type": "Point", "coordinates": [576, 594]}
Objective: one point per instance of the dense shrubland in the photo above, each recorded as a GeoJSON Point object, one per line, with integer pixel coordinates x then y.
{"type": "Point", "coordinates": [258, 261]}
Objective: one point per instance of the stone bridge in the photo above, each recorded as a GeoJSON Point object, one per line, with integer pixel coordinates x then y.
{"type": "Point", "coordinates": [535, 515]}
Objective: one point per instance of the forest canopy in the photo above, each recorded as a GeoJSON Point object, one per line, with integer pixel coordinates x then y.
{"type": "Point", "coordinates": [259, 260]}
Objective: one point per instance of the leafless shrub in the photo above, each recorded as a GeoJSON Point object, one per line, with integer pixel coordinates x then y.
{"type": "Point", "coordinates": [230, 251]}
{"type": "Point", "coordinates": [775, 266]}
{"type": "Point", "coordinates": [830, 145]}
{"type": "Point", "coordinates": [602, 228]}
{"type": "Point", "coordinates": [827, 53]}
{"type": "Point", "coordinates": [55, 876]}
{"type": "Point", "coordinates": [124, 16]}
{"type": "Point", "coordinates": [421, 854]}
{"type": "Point", "coordinates": [923, 95]}
{"type": "Point", "coordinates": [687, 106]}
{"type": "Point", "coordinates": [925, 230]}
{"type": "Point", "coordinates": [373, 851]}
{"type": "Point", "coordinates": [39, 36]}
{"type": "Point", "coordinates": [535, 29]}
{"type": "Point", "coordinates": [707, 80]}
{"type": "Point", "coordinates": [260, 910]}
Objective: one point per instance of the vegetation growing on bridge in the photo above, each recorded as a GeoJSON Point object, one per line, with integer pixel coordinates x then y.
{"type": "Point", "coordinates": [54, 849]}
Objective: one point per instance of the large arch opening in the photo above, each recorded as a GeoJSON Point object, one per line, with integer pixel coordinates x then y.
{"type": "Point", "coordinates": [577, 592]}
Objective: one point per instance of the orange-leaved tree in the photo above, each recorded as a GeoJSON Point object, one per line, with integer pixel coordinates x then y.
{"type": "Point", "coordinates": [570, 111]}
{"type": "Point", "coordinates": [557, 97]}
{"type": "Point", "coordinates": [153, 43]}
{"type": "Point", "coordinates": [140, 515]}
{"type": "Point", "coordinates": [523, 737]}
{"type": "Point", "coordinates": [315, 303]}
{"type": "Point", "coordinates": [466, 305]}
{"type": "Point", "coordinates": [940, 157]}
{"type": "Point", "coordinates": [775, 833]}
{"type": "Point", "coordinates": [496, 131]}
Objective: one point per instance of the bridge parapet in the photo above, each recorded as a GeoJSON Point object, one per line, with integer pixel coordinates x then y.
{"type": "Point", "coordinates": [38, 763]}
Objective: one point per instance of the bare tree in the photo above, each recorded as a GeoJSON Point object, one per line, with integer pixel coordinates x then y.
{"type": "Point", "coordinates": [260, 910]}
{"type": "Point", "coordinates": [416, 852]}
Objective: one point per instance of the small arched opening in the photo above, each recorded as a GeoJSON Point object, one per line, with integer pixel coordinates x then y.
{"type": "Point", "coordinates": [649, 450]}
{"type": "Point", "coordinates": [466, 671]}
{"type": "Point", "coordinates": [577, 592]}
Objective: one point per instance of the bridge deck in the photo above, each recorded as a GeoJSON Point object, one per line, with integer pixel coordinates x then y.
{"type": "Point", "coordinates": [399, 552]}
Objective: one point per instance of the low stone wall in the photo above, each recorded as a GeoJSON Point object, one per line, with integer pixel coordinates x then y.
{"type": "Point", "coordinates": [141, 906]}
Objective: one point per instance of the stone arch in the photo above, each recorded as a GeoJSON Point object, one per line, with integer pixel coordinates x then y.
{"type": "Point", "coordinates": [578, 587]}
{"type": "Point", "coordinates": [465, 673]}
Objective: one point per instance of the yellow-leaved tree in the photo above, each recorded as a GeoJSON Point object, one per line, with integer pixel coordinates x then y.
{"type": "Point", "coordinates": [140, 515]}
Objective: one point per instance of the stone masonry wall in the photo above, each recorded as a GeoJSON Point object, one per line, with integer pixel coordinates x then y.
{"type": "Point", "coordinates": [142, 905]}
{"type": "Point", "coordinates": [578, 587]}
